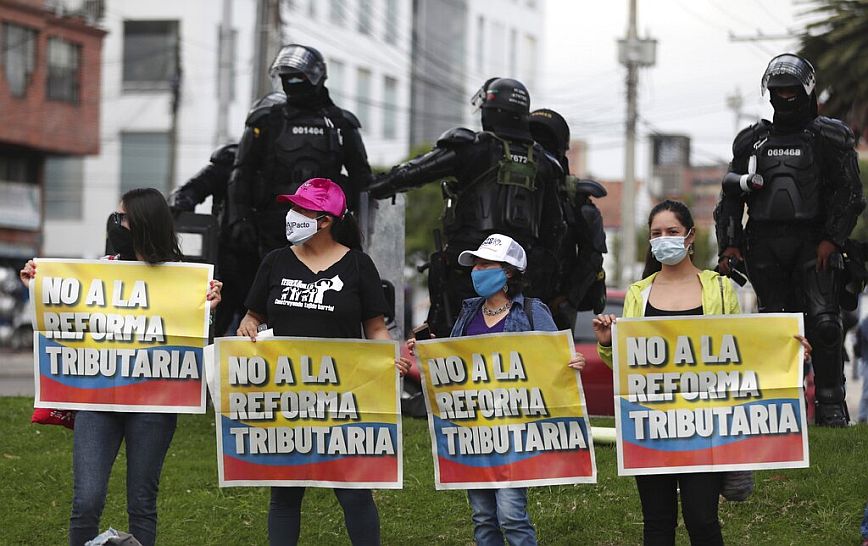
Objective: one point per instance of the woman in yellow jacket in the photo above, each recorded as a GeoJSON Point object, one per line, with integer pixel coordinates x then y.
{"type": "Point", "coordinates": [673, 286]}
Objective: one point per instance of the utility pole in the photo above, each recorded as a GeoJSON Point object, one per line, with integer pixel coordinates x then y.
{"type": "Point", "coordinates": [267, 43]}
{"type": "Point", "coordinates": [225, 76]}
{"type": "Point", "coordinates": [174, 105]}
{"type": "Point", "coordinates": [633, 53]}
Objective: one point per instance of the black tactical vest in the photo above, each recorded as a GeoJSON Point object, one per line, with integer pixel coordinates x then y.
{"type": "Point", "coordinates": [791, 174]}
{"type": "Point", "coordinates": [304, 146]}
{"type": "Point", "coordinates": [503, 195]}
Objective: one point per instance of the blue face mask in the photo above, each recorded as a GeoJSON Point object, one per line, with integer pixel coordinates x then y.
{"type": "Point", "coordinates": [669, 250]}
{"type": "Point", "coordinates": [488, 282]}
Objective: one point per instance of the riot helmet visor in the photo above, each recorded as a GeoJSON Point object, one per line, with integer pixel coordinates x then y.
{"type": "Point", "coordinates": [295, 60]}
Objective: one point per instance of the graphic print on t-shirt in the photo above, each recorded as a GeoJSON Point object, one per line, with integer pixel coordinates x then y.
{"type": "Point", "coordinates": [298, 293]}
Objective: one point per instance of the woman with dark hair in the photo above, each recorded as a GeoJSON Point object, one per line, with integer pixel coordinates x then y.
{"type": "Point", "coordinates": [673, 286]}
{"type": "Point", "coordinates": [498, 265]}
{"type": "Point", "coordinates": [328, 268]}
{"type": "Point", "coordinates": [141, 229]}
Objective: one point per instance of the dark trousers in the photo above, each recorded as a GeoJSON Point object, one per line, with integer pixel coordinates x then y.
{"type": "Point", "coordinates": [700, 494]}
{"type": "Point", "coordinates": [782, 270]}
{"type": "Point", "coordinates": [360, 516]}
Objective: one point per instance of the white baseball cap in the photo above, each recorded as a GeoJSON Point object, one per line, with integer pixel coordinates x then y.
{"type": "Point", "coordinates": [497, 248]}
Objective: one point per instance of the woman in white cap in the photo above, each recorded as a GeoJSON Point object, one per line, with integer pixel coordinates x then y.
{"type": "Point", "coordinates": [498, 265]}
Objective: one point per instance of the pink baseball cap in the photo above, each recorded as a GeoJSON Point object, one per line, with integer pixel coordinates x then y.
{"type": "Point", "coordinates": [320, 195]}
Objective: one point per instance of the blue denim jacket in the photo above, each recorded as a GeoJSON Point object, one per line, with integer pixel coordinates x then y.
{"type": "Point", "coordinates": [516, 320]}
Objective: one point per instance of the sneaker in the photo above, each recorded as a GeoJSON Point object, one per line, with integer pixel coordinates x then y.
{"type": "Point", "coordinates": [831, 415]}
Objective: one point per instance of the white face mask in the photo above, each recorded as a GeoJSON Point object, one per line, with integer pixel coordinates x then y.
{"type": "Point", "coordinates": [300, 228]}
{"type": "Point", "coordinates": [669, 250]}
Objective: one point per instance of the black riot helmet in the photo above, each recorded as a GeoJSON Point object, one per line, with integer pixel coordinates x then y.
{"type": "Point", "coordinates": [550, 129]}
{"type": "Point", "coordinates": [505, 108]}
{"type": "Point", "coordinates": [302, 72]}
{"type": "Point", "coordinates": [799, 105]}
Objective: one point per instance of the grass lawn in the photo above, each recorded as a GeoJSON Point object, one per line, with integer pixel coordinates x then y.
{"type": "Point", "coordinates": [819, 505]}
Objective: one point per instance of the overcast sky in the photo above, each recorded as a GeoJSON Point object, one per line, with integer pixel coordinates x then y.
{"type": "Point", "coordinates": [685, 92]}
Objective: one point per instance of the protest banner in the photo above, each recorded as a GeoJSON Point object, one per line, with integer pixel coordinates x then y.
{"type": "Point", "coordinates": [504, 410]}
{"type": "Point", "coordinates": [120, 336]}
{"type": "Point", "coordinates": [308, 412]}
{"type": "Point", "coordinates": [696, 394]}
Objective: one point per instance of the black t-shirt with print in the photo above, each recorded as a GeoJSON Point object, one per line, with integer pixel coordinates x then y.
{"type": "Point", "coordinates": [331, 303]}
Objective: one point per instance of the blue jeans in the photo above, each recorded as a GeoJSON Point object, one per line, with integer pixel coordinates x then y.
{"type": "Point", "coordinates": [864, 527]}
{"type": "Point", "coordinates": [360, 516]}
{"type": "Point", "coordinates": [496, 510]}
{"type": "Point", "coordinates": [96, 440]}
{"type": "Point", "coordinates": [863, 403]}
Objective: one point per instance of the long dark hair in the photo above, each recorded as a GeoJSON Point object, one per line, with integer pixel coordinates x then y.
{"type": "Point", "coordinates": [151, 225]}
{"type": "Point", "coordinates": [514, 284]}
{"type": "Point", "coordinates": [682, 214]}
{"type": "Point", "coordinates": [346, 231]}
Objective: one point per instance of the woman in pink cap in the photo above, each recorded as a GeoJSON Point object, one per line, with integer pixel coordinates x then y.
{"type": "Point", "coordinates": [324, 265]}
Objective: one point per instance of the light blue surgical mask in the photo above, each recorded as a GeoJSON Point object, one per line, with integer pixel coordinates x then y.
{"type": "Point", "coordinates": [488, 282]}
{"type": "Point", "coordinates": [669, 250]}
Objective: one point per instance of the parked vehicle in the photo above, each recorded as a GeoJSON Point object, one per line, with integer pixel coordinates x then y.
{"type": "Point", "coordinates": [597, 377]}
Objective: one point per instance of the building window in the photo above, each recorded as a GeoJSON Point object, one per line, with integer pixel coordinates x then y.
{"type": "Point", "coordinates": [364, 18]}
{"type": "Point", "coordinates": [311, 9]}
{"type": "Point", "coordinates": [480, 44]}
{"type": "Point", "coordinates": [390, 102]}
{"type": "Point", "coordinates": [528, 70]}
{"type": "Point", "coordinates": [64, 188]}
{"type": "Point", "coordinates": [390, 33]}
{"type": "Point", "coordinates": [64, 61]}
{"type": "Point", "coordinates": [150, 54]}
{"type": "Point", "coordinates": [337, 78]}
{"type": "Point", "coordinates": [338, 12]}
{"type": "Point", "coordinates": [363, 96]}
{"type": "Point", "coordinates": [145, 161]}
{"type": "Point", "coordinates": [19, 57]}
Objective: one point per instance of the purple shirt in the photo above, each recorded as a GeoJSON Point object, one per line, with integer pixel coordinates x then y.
{"type": "Point", "coordinates": [477, 325]}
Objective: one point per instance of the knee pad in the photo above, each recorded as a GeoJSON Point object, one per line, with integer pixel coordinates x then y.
{"type": "Point", "coordinates": [830, 395]}
{"type": "Point", "coordinates": [827, 329]}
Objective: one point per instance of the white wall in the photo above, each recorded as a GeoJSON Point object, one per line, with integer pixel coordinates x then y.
{"type": "Point", "coordinates": [504, 20]}
{"type": "Point", "coordinates": [150, 111]}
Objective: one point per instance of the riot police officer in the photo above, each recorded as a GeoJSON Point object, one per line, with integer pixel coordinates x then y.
{"type": "Point", "coordinates": [581, 283]}
{"type": "Point", "coordinates": [494, 181]}
{"type": "Point", "coordinates": [799, 178]}
{"type": "Point", "coordinates": [286, 144]}
{"type": "Point", "coordinates": [210, 180]}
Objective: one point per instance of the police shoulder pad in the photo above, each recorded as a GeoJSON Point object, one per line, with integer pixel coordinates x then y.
{"type": "Point", "coordinates": [257, 115]}
{"type": "Point", "coordinates": [224, 155]}
{"type": "Point", "coordinates": [351, 119]}
{"type": "Point", "coordinates": [833, 131]}
{"type": "Point", "coordinates": [591, 187]}
{"type": "Point", "coordinates": [749, 136]}
{"type": "Point", "coordinates": [456, 136]}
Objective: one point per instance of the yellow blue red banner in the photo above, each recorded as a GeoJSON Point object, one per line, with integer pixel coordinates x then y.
{"type": "Point", "coordinates": [504, 410]}
{"type": "Point", "coordinates": [120, 336]}
{"type": "Point", "coordinates": [697, 394]}
{"type": "Point", "coordinates": [308, 412]}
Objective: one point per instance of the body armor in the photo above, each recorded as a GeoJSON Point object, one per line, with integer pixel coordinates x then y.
{"type": "Point", "coordinates": [503, 197]}
{"type": "Point", "coordinates": [792, 177]}
{"type": "Point", "coordinates": [306, 145]}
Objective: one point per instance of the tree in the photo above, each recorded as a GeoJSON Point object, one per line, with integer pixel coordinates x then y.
{"type": "Point", "coordinates": [837, 46]}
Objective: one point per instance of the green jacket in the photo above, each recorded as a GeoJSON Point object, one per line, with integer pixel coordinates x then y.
{"type": "Point", "coordinates": [712, 286]}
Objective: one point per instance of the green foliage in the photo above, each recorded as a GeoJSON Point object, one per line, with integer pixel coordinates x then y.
{"type": "Point", "coordinates": [836, 45]}
{"type": "Point", "coordinates": [823, 503]}
{"type": "Point", "coordinates": [860, 232]}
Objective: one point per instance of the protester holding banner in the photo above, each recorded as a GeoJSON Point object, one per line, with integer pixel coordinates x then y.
{"type": "Point", "coordinates": [498, 265]}
{"type": "Point", "coordinates": [141, 229]}
{"type": "Point", "coordinates": [673, 286]}
{"type": "Point", "coordinates": [322, 265]}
